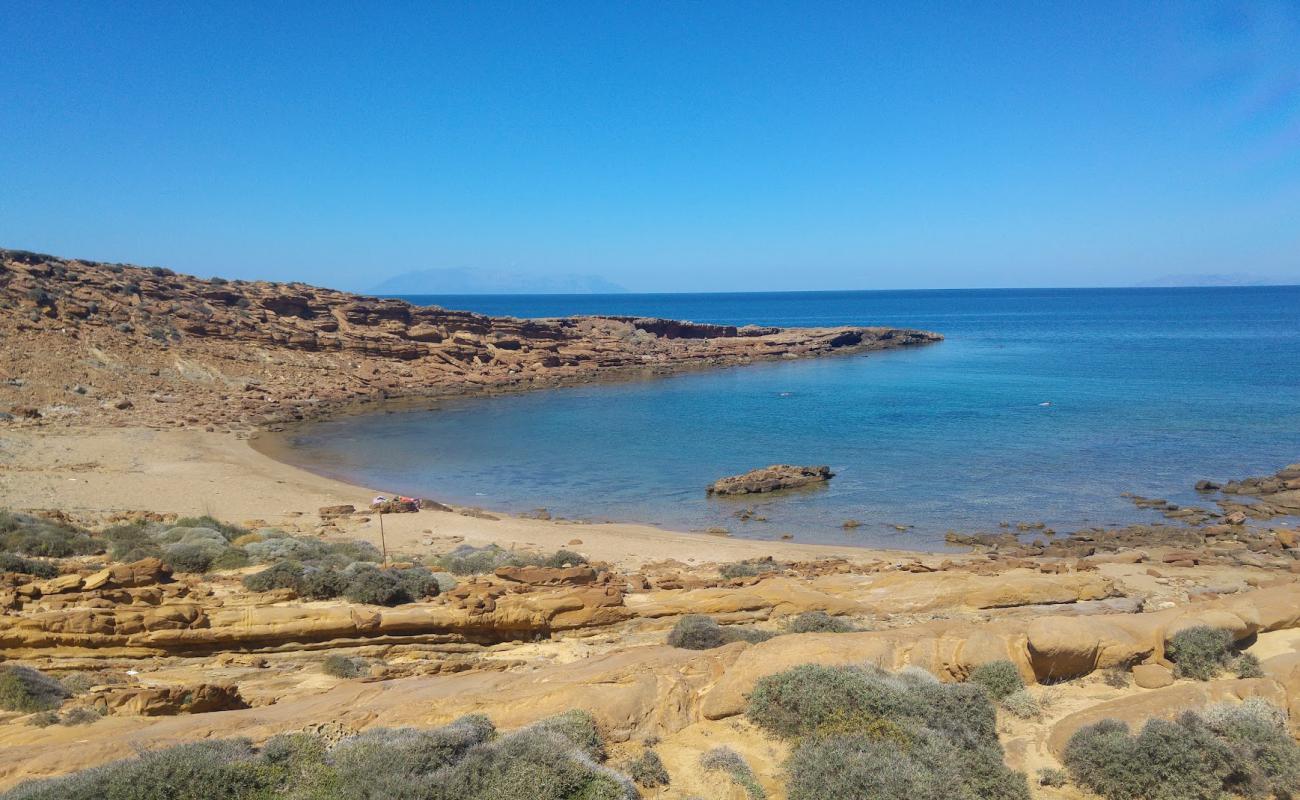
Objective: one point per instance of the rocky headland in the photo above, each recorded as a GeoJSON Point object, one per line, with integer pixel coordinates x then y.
{"type": "Point", "coordinates": [84, 342]}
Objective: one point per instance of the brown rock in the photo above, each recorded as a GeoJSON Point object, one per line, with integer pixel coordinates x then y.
{"type": "Point", "coordinates": [770, 479]}
{"type": "Point", "coordinates": [333, 512]}
{"type": "Point", "coordinates": [1152, 676]}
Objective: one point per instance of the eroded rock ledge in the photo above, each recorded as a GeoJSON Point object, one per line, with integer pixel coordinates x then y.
{"type": "Point", "coordinates": [87, 340]}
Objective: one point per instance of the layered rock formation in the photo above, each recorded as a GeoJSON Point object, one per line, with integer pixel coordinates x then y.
{"type": "Point", "coordinates": [85, 340]}
{"type": "Point", "coordinates": [770, 479]}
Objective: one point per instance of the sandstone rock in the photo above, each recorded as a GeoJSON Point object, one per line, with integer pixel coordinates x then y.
{"type": "Point", "coordinates": [548, 576]}
{"type": "Point", "coordinates": [333, 512]}
{"type": "Point", "coordinates": [171, 700]}
{"type": "Point", "coordinates": [1152, 676]}
{"type": "Point", "coordinates": [770, 479]}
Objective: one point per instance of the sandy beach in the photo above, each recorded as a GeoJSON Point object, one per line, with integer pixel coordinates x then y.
{"type": "Point", "coordinates": [191, 472]}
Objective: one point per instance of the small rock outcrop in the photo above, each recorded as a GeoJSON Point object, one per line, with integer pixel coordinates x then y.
{"type": "Point", "coordinates": [770, 479]}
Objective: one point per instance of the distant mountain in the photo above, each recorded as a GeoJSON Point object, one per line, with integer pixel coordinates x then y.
{"type": "Point", "coordinates": [479, 281]}
{"type": "Point", "coordinates": [1218, 279]}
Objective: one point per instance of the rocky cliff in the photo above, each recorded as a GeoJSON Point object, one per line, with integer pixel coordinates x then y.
{"type": "Point", "coordinates": [88, 341]}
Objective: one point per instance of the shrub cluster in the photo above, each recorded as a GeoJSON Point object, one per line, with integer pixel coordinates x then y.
{"type": "Point", "coordinates": [469, 560]}
{"type": "Point", "coordinates": [1242, 750]}
{"type": "Point", "coordinates": [359, 582]}
{"type": "Point", "coordinates": [341, 666]}
{"type": "Point", "coordinates": [37, 568]}
{"type": "Point", "coordinates": [1201, 652]}
{"type": "Point", "coordinates": [820, 622]}
{"type": "Point", "coordinates": [698, 632]}
{"type": "Point", "coordinates": [734, 766]}
{"type": "Point", "coordinates": [863, 733]}
{"type": "Point", "coordinates": [465, 760]}
{"type": "Point", "coordinates": [999, 678]}
{"type": "Point", "coordinates": [648, 770]}
{"type": "Point", "coordinates": [34, 536]}
{"type": "Point", "coordinates": [26, 690]}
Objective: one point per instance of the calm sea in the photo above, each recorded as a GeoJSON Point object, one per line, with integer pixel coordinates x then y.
{"type": "Point", "coordinates": [1149, 391]}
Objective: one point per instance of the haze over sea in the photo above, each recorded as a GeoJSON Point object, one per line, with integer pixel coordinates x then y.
{"type": "Point", "coordinates": [1149, 391]}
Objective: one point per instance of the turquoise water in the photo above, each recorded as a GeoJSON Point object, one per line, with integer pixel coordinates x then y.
{"type": "Point", "coordinates": [1150, 390]}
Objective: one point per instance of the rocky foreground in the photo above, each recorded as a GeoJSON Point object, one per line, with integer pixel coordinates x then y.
{"type": "Point", "coordinates": [166, 631]}
{"type": "Point", "coordinates": [82, 341]}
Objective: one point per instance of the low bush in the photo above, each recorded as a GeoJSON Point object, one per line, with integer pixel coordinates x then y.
{"type": "Point", "coordinates": [284, 575]}
{"type": "Point", "coordinates": [864, 733]}
{"type": "Point", "coordinates": [231, 558]}
{"type": "Point", "coordinates": [78, 682]}
{"type": "Point", "coordinates": [131, 542]}
{"type": "Point", "coordinates": [698, 632]}
{"type": "Point", "coordinates": [26, 690]}
{"type": "Point", "coordinates": [1241, 750]}
{"type": "Point", "coordinates": [377, 588]}
{"type": "Point", "coordinates": [33, 536]}
{"type": "Point", "coordinates": [81, 715]}
{"type": "Point", "coordinates": [578, 727]}
{"type": "Point", "coordinates": [228, 531]}
{"type": "Point", "coordinates": [1201, 652]}
{"type": "Point", "coordinates": [1051, 776]}
{"type": "Point", "coordinates": [1022, 704]}
{"type": "Point", "coordinates": [1247, 665]}
{"type": "Point", "coordinates": [648, 770]}
{"type": "Point", "coordinates": [341, 666]}
{"type": "Point", "coordinates": [820, 622]}
{"type": "Point", "coordinates": [189, 557]}
{"type": "Point", "coordinates": [465, 760]}
{"type": "Point", "coordinates": [1116, 677]}
{"type": "Point", "coordinates": [1000, 678]}
{"type": "Point", "coordinates": [734, 766]}
{"type": "Point", "coordinates": [37, 568]}
{"type": "Point", "coordinates": [469, 560]}
{"type": "Point", "coordinates": [322, 584]}
{"type": "Point", "coordinates": [739, 569]}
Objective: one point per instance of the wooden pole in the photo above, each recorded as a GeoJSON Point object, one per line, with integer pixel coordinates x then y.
{"type": "Point", "coordinates": [382, 541]}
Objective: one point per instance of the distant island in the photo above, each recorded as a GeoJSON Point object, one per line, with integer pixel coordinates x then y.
{"type": "Point", "coordinates": [1218, 279]}
{"type": "Point", "coordinates": [480, 281]}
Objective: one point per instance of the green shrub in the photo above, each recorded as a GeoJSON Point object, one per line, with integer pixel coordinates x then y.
{"type": "Point", "coordinates": [82, 715]}
{"type": "Point", "coordinates": [189, 557]}
{"type": "Point", "coordinates": [418, 582]}
{"type": "Point", "coordinates": [33, 536]}
{"type": "Point", "coordinates": [1000, 678]}
{"type": "Point", "coordinates": [849, 721]}
{"type": "Point", "coordinates": [1247, 665]}
{"type": "Point", "coordinates": [284, 575]}
{"type": "Point", "coordinates": [648, 770]}
{"type": "Point", "coordinates": [579, 728]}
{"type": "Point", "coordinates": [1051, 776]}
{"type": "Point", "coordinates": [820, 622]}
{"type": "Point", "coordinates": [469, 560]}
{"type": "Point", "coordinates": [739, 569]}
{"type": "Point", "coordinates": [1180, 760]}
{"type": "Point", "coordinates": [35, 567]}
{"type": "Point", "coordinates": [460, 761]}
{"type": "Point", "coordinates": [25, 689]}
{"type": "Point", "coordinates": [341, 666]}
{"type": "Point", "coordinates": [733, 765]}
{"type": "Point", "coordinates": [231, 558]}
{"type": "Point", "coordinates": [131, 542]}
{"type": "Point", "coordinates": [43, 719]}
{"type": "Point", "coordinates": [227, 530]}
{"type": "Point", "coordinates": [1201, 652]}
{"type": "Point", "coordinates": [698, 632]}
{"type": "Point", "coordinates": [322, 584]}
{"type": "Point", "coordinates": [1022, 704]}
{"type": "Point", "coordinates": [376, 587]}
{"type": "Point", "coordinates": [78, 682]}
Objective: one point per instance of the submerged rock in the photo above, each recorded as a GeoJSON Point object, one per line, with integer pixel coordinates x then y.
{"type": "Point", "coordinates": [770, 479]}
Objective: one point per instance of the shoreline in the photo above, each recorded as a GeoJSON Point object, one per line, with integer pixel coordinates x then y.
{"type": "Point", "coordinates": [103, 471]}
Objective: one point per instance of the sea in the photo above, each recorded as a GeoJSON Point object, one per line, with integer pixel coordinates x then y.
{"type": "Point", "coordinates": [1041, 405]}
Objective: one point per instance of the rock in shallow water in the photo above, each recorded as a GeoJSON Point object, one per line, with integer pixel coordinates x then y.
{"type": "Point", "coordinates": [770, 479]}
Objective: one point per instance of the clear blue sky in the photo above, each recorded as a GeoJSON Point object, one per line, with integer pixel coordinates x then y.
{"type": "Point", "coordinates": [665, 146]}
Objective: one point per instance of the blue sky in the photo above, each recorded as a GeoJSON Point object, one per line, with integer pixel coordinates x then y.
{"type": "Point", "coordinates": [664, 146]}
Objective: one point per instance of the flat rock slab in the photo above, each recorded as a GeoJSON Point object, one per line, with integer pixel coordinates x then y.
{"type": "Point", "coordinates": [771, 479]}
